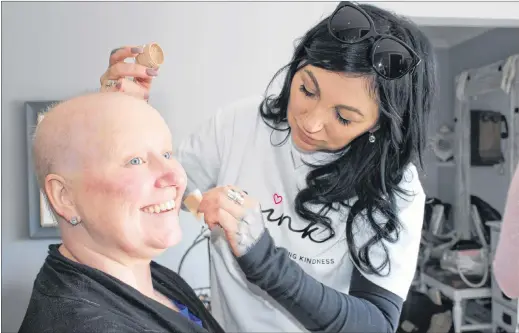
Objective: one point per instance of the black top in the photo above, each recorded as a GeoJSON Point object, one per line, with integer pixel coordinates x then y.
{"type": "Point", "coordinates": [367, 308]}
{"type": "Point", "coordinates": [69, 297]}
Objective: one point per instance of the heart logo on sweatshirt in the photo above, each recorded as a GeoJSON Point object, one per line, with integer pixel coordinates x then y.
{"type": "Point", "coordinates": [277, 199]}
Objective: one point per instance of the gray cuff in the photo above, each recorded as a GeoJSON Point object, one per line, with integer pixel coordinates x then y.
{"type": "Point", "coordinates": [256, 253]}
{"type": "Point", "coordinates": [250, 229]}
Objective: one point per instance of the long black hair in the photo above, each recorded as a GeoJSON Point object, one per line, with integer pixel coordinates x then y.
{"type": "Point", "coordinates": [369, 171]}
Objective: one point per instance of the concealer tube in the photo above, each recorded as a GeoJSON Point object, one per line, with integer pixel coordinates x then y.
{"type": "Point", "coordinates": [192, 201]}
{"type": "Point", "coordinates": [152, 57]}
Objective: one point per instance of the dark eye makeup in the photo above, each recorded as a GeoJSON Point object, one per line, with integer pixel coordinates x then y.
{"type": "Point", "coordinates": [305, 91]}
{"type": "Point", "coordinates": [310, 94]}
{"type": "Point", "coordinates": [343, 121]}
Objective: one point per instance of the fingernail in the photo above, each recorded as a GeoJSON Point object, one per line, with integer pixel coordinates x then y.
{"type": "Point", "coordinates": [118, 85]}
{"type": "Point", "coordinates": [146, 96]}
{"type": "Point", "coordinates": [152, 72]}
{"type": "Point", "coordinates": [114, 50]}
{"type": "Point", "coordinates": [137, 50]}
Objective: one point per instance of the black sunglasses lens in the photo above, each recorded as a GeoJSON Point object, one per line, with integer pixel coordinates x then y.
{"type": "Point", "coordinates": [349, 24]}
{"type": "Point", "coordinates": [391, 59]}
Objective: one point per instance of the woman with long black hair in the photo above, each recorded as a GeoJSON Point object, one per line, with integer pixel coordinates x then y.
{"type": "Point", "coordinates": [321, 227]}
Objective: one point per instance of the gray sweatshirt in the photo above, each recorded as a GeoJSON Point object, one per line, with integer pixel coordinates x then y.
{"type": "Point", "coordinates": [299, 277]}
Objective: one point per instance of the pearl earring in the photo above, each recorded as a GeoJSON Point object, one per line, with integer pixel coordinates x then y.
{"type": "Point", "coordinates": [371, 138]}
{"type": "Point", "coordinates": [75, 220]}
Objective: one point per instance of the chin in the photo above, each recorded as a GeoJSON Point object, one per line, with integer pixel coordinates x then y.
{"type": "Point", "coordinates": [172, 234]}
{"type": "Point", "coordinates": [163, 234]}
{"type": "Point", "coordinates": [302, 146]}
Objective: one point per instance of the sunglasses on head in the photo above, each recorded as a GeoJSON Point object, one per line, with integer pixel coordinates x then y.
{"type": "Point", "coordinates": [391, 58]}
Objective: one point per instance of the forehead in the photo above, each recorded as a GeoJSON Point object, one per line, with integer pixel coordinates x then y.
{"type": "Point", "coordinates": [339, 88]}
{"type": "Point", "coordinates": [118, 133]}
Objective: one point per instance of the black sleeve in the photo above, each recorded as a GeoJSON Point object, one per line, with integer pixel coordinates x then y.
{"type": "Point", "coordinates": [367, 308]}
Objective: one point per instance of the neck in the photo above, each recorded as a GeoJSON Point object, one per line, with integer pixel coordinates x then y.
{"type": "Point", "coordinates": [135, 273]}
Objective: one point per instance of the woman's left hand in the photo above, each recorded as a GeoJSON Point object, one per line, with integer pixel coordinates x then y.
{"type": "Point", "coordinates": [238, 214]}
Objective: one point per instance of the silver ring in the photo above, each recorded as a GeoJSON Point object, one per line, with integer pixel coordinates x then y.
{"type": "Point", "coordinates": [235, 196]}
{"type": "Point", "coordinates": [110, 83]}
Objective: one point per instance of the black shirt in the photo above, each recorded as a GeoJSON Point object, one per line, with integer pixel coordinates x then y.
{"type": "Point", "coordinates": [367, 307]}
{"type": "Point", "coordinates": [69, 297]}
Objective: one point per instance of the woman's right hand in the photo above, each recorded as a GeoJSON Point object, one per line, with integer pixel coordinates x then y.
{"type": "Point", "coordinates": [118, 70]}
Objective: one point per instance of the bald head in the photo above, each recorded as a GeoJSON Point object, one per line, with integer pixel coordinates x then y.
{"type": "Point", "coordinates": [102, 160]}
{"type": "Point", "coordinates": [75, 133]}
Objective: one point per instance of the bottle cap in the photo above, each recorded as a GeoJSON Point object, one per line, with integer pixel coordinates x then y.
{"type": "Point", "coordinates": [152, 57]}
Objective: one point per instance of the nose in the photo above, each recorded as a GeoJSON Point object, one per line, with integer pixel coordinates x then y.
{"type": "Point", "coordinates": [313, 121]}
{"type": "Point", "coordinates": [170, 179]}
{"type": "Point", "coordinates": [171, 175]}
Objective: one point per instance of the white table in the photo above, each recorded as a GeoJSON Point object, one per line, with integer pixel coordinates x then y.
{"type": "Point", "coordinates": [458, 296]}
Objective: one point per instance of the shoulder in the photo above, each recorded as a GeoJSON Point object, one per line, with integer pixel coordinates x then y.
{"type": "Point", "coordinates": [409, 203]}
{"type": "Point", "coordinates": [65, 314]}
{"type": "Point", "coordinates": [403, 251]}
{"type": "Point", "coordinates": [411, 186]}
{"type": "Point", "coordinates": [411, 182]}
{"type": "Point", "coordinates": [410, 206]}
{"type": "Point", "coordinates": [170, 279]}
{"type": "Point", "coordinates": [163, 273]}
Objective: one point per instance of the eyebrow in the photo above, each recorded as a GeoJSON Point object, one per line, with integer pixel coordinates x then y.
{"type": "Point", "coordinates": [340, 106]}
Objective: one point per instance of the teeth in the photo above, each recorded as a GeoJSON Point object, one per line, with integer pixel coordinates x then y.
{"type": "Point", "coordinates": [159, 208]}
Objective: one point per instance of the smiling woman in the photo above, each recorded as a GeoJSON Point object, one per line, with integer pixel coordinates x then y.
{"type": "Point", "coordinates": [116, 198]}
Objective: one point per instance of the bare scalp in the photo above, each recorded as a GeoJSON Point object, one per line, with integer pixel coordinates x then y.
{"type": "Point", "coordinates": [72, 131]}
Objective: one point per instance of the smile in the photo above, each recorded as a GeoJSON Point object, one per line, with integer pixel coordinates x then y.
{"type": "Point", "coordinates": [160, 208]}
{"type": "Point", "coordinates": [305, 138]}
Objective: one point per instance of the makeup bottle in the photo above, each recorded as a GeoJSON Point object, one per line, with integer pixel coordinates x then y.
{"type": "Point", "coordinates": [152, 57]}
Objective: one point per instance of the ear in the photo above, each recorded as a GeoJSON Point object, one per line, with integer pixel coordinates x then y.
{"type": "Point", "coordinates": [375, 128]}
{"type": "Point", "coordinates": [60, 198]}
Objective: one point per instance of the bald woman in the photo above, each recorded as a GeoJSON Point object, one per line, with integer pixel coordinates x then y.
{"type": "Point", "coordinates": [116, 197]}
